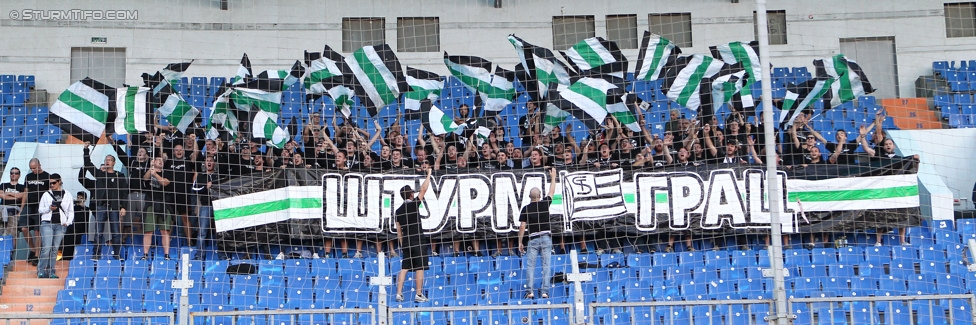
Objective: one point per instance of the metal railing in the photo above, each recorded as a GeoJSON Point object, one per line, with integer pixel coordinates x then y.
{"type": "Point", "coordinates": [850, 306]}
{"type": "Point", "coordinates": [293, 316]}
{"type": "Point", "coordinates": [675, 316]}
{"type": "Point", "coordinates": [511, 314]}
{"type": "Point", "coordinates": [71, 319]}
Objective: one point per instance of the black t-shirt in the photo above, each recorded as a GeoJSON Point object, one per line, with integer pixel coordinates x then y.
{"type": "Point", "coordinates": [847, 152]}
{"type": "Point", "coordinates": [36, 184]}
{"type": "Point", "coordinates": [722, 157]}
{"type": "Point", "coordinates": [182, 174]}
{"type": "Point", "coordinates": [203, 193]}
{"type": "Point", "coordinates": [157, 192]}
{"type": "Point", "coordinates": [11, 188]}
{"type": "Point", "coordinates": [136, 171]}
{"type": "Point", "coordinates": [495, 165]}
{"type": "Point", "coordinates": [794, 155]}
{"type": "Point", "coordinates": [408, 216]}
{"type": "Point", "coordinates": [536, 217]}
{"type": "Point", "coordinates": [56, 213]}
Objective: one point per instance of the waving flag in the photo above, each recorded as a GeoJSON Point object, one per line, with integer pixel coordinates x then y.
{"type": "Point", "coordinates": [554, 117]}
{"type": "Point", "coordinates": [596, 56]}
{"type": "Point", "coordinates": [265, 126]}
{"type": "Point", "coordinates": [588, 99]}
{"type": "Point", "coordinates": [258, 94]}
{"type": "Point", "coordinates": [655, 54]}
{"type": "Point", "coordinates": [175, 110]}
{"type": "Point", "coordinates": [82, 110]}
{"type": "Point", "coordinates": [500, 91]}
{"type": "Point", "coordinates": [222, 114]}
{"type": "Point", "coordinates": [435, 120]}
{"type": "Point", "coordinates": [379, 75]}
{"type": "Point", "coordinates": [288, 77]}
{"type": "Point", "coordinates": [799, 97]}
{"type": "Point", "coordinates": [541, 66]}
{"type": "Point", "coordinates": [174, 71]}
{"type": "Point", "coordinates": [851, 80]}
{"type": "Point", "coordinates": [727, 87]}
{"type": "Point", "coordinates": [472, 71]}
{"type": "Point", "coordinates": [747, 56]}
{"type": "Point", "coordinates": [321, 68]}
{"type": "Point", "coordinates": [683, 80]}
{"type": "Point", "coordinates": [131, 110]}
{"type": "Point", "coordinates": [423, 85]}
{"type": "Point", "coordinates": [243, 71]}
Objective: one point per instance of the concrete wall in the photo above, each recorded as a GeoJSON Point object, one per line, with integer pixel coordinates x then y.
{"type": "Point", "coordinates": [274, 33]}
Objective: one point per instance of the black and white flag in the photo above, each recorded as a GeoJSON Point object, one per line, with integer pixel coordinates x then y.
{"type": "Point", "coordinates": [593, 195]}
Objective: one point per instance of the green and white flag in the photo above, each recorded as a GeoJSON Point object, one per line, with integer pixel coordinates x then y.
{"type": "Point", "coordinates": [554, 117]}
{"type": "Point", "coordinates": [851, 80]}
{"type": "Point", "coordinates": [266, 127]}
{"type": "Point", "coordinates": [799, 97]}
{"type": "Point", "coordinates": [746, 55]}
{"type": "Point", "coordinates": [82, 110]}
{"type": "Point", "coordinates": [473, 72]}
{"type": "Point", "coordinates": [655, 54]}
{"type": "Point", "coordinates": [589, 95]}
{"type": "Point", "coordinates": [131, 109]}
{"type": "Point", "coordinates": [597, 56]}
{"type": "Point", "coordinates": [319, 70]}
{"type": "Point", "coordinates": [435, 120]}
{"type": "Point", "coordinates": [261, 208]}
{"type": "Point", "coordinates": [423, 85]}
{"type": "Point", "coordinates": [623, 112]}
{"type": "Point", "coordinates": [683, 82]}
{"type": "Point", "coordinates": [379, 74]}
{"type": "Point", "coordinates": [178, 112]}
{"type": "Point", "coordinates": [243, 71]}
{"type": "Point", "coordinates": [541, 66]}
{"type": "Point", "coordinates": [222, 114]}
{"type": "Point", "coordinates": [255, 99]}
{"type": "Point", "coordinates": [725, 87]}
{"type": "Point", "coordinates": [500, 92]}
{"type": "Point", "coordinates": [288, 77]}
{"type": "Point", "coordinates": [174, 71]}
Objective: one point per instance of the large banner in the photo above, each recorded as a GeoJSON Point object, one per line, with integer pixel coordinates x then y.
{"type": "Point", "coordinates": [713, 199]}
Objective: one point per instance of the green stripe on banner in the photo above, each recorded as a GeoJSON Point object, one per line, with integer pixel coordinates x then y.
{"type": "Point", "coordinates": [386, 202]}
{"type": "Point", "coordinates": [661, 198]}
{"type": "Point", "coordinates": [266, 207]}
{"type": "Point", "coordinates": [557, 199]}
{"type": "Point", "coordinates": [658, 57]}
{"type": "Point", "coordinates": [587, 53]}
{"type": "Point", "coordinates": [840, 66]}
{"type": "Point", "coordinates": [375, 77]}
{"type": "Point", "coordinates": [740, 54]}
{"type": "Point", "coordinates": [83, 105]}
{"type": "Point", "coordinates": [852, 195]}
{"type": "Point", "coordinates": [598, 96]}
{"type": "Point", "coordinates": [694, 81]}
{"type": "Point", "coordinates": [130, 110]}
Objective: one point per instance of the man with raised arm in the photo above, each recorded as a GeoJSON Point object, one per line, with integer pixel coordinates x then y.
{"type": "Point", "coordinates": [411, 237]}
{"type": "Point", "coordinates": [535, 218]}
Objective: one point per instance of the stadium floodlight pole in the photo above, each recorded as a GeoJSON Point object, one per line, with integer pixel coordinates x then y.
{"type": "Point", "coordinates": [773, 183]}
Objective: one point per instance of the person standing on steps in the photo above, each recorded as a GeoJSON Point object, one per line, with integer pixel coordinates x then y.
{"type": "Point", "coordinates": [56, 211]}
{"type": "Point", "coordinates": [535, 218]}
{"type": "Point", "coordinates": [110, 190]}
{"type": "Point", "coordinates": [37, 183]}
{"type": "Point", "coordinates": [412, 240]}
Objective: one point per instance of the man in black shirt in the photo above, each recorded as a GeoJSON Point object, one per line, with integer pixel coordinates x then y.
{"type": "Point", "coordinates": [11, 196]}
{"type": "Point", "coordinates": [535, 218]}
{"type": "Point", "coordinates": [37, 182]}
{"type": "Point", "coordinates": [110, 188]}
{"type": "Point", "coordinates": [841, 152]}
{"type": "Point", "coordinates": [184, 173]}
{"type": "Point", "coordinates": [158, 180]}
{"type": "Point", "coordinates": [412, 240]}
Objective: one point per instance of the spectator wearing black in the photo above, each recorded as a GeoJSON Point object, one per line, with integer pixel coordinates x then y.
{"type": "Point", "coordinates": [684, 159]}
{"type": "Point", "coordinates": [201, 188]}
{"type": "Point", "coordinates": [72, 236]}
{"type": "Point", "coordinates": [110, 189]}
{"type": "Point", "coordinates": [56, 211]}
{"type": "Point", "coordinates": [841, 152]}
{"type": "Point", "coordinates": [886, 149]}
{"type": "Point", "coordinates": [398, 163]}
{"type": "Point", "coordinates": [729, 154]}
{"type": "Point", "coordinates": [534, 217]}
{"type": "Point", "coordinates": [158, 214]}
{"type": "Point", "coordinates": [11, 198]}
{"type": "Point", "coordinates": [37, 182]}
{"type": "Point", "coordinates": [138, 188]}
{"type": "Point", "coordinates": [410, 234]}
{"type": "Point", "coordinates": [184, 173]}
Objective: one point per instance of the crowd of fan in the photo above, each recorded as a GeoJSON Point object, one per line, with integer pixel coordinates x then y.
{"type": "Point", "coordinates": [169, 174]}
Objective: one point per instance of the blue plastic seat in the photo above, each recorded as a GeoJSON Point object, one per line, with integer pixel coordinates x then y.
{"type": "Point", "coordinates": [665, 259]}
{"type": "Point", "coordinates": [244, 289]}
{"type": "Point", "coordinates": [70, 302]}
{"type": "Point", "coordinates": [129, 301]}
{"type": "Point", "coordinates": [850, 255]}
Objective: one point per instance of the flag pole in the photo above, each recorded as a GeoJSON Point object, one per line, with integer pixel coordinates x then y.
{"type": "Point", "coordinates": [773, 185]}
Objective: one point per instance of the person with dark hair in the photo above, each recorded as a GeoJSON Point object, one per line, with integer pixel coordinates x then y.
{"type": "Point", "coordinates": [534, 217]}
{"type": "Point", "coordinates": [110, 189]}
{"type": "Point", "coordinates": [136, 198]}
{"type": "Point", "coordinates": [36, 183]}
{"type": "Point", "coordinates": [158, 180]}
{"type": "Point", "coordinates": [184, 173]}
{"type": "Point", "coordinates": [77, 228]}
{"type": "Point", "coordinates": [202, 189]}
{"type": "Point", "coordinates": [11, 197]}
{"type": "Point", "coordinates": [56, 210]}
{"type": "Point", "coordinates": [410, 234]}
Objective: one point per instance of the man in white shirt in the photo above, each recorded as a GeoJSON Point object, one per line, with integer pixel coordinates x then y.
{"type": "Point", "coordinates": [56, 210]}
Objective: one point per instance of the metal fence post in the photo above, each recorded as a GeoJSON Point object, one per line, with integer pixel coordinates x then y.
{"type": "Point", "coordinates": [184, 283]}
{"type": "Point", "coordinates": [577, 278]}
{"type": "Point", "coordinates": [382, 281]}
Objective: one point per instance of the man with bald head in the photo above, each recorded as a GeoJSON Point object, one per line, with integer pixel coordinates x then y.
{"type": "Point", "coordinates": [535, 218]}
{"type": "Point", "coordinates": [37, 182]}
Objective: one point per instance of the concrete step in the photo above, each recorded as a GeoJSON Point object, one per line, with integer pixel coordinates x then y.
{"type": "Point", "coordinates": [38, 308]}
{"type": "Point", "coordinates": [12, 299]}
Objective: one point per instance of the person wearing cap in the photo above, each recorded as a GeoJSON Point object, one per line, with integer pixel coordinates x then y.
{"type": "Point", "coordinates": [56, 211]}
{"type": "Point", "coordinates": [410, 234]}
{"type": "Point", "coordinates": [726, 155]}
{"type": "Point", "coordinates": [534, 217]}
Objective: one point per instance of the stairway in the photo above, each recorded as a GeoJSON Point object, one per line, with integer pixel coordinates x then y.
{"type": "Point", "coordinates": [23, 292]}
{"type": "Point", "coordinates": [911, 113]}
